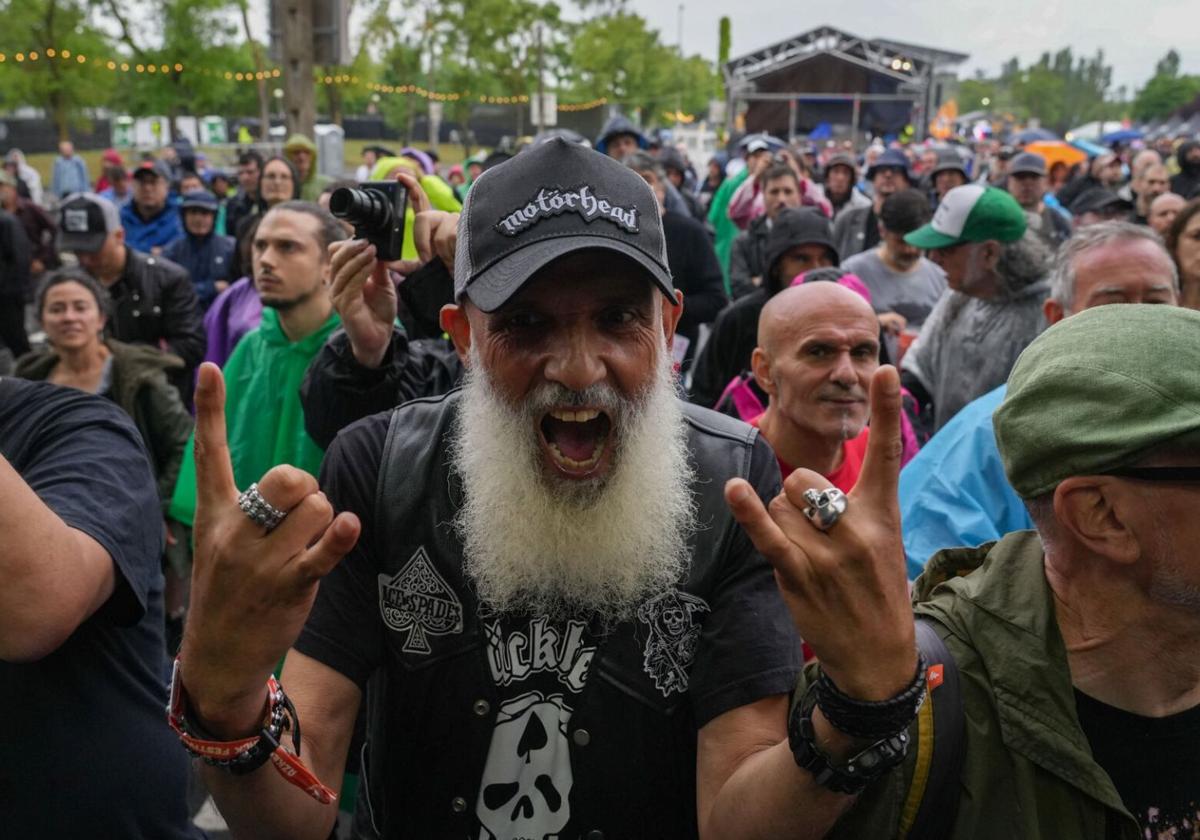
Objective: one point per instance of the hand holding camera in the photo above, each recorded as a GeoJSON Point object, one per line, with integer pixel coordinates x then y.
{"type": "Point", "coordinates": [363, 292]}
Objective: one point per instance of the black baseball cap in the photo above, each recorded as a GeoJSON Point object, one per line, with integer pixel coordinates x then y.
{"type": "Point", "coordinates": [798, 226]}
{"type": "Point", "coordinates": [549, 201]}
{"type": "Point", "coordinates": [84, 221]}
{"type": "Point", "coordinates": [1099, 200]}
{"type": "Point", "coordinates": [1027, 163]}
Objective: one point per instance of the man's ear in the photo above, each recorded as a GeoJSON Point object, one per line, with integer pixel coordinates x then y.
{"type": "Point", "coordinates": [670, 317]}
{"type": "Point", "coordinates": [760, 365]}
{"type": "Point", "coordinates": [991, 253]}
{"type": "Point", "coordinates": [1053, 311]}
{"type": "Point", "coordinates": [1097, 512]}
{"type": "Point", "coordinates": [457, 325]}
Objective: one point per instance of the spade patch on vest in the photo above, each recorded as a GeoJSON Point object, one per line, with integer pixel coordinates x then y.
{"type": "Point", "coordinates": [418, 601]}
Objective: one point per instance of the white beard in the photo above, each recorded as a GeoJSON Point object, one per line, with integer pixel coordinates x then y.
{"type": "Point", "coordinates": [548, 546]}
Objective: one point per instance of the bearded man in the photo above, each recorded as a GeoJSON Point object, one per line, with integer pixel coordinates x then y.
{"type": "Point", "coordinates": [565, 633]}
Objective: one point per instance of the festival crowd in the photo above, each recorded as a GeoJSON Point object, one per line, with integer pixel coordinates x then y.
{"type": "Point", "coordinates": [816, 491]}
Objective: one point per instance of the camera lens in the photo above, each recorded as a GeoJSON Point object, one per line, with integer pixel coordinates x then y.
{"type": "Point", "coordinates": [365, 208]}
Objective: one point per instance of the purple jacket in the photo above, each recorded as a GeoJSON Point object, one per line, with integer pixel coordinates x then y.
{"type": "Point", "coordinates": [233, 313]}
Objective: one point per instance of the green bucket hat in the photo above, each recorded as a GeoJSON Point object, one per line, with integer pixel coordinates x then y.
{"type": "Point", "coordinates": [971, 213]}
{"type": "Point", "coordinates": [1097, 390]}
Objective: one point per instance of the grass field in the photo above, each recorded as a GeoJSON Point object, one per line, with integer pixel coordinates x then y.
{"type": "Point", "coordinates": [226, 157]}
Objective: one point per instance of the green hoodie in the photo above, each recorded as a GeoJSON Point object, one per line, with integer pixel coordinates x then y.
{"type": "Point", "coordinates": [312, 186]}
{"type": "Point", "coordinates": [263, 415]}
{"type": "Point", "coordinates": [1028, 770]}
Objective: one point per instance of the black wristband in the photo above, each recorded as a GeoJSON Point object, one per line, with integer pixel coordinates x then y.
{"type": "Point", "coordinates": [871, 719]}
{"type": "Point", "coordinates": [852, 775]}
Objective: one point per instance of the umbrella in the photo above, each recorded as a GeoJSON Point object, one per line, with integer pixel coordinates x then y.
{"type": "Point", "coordinates": [1089, 148]}
{"type": "Point", "coordinates": [1125, 135]}
{"type": "Point", "coordinates": [1033, 135]}
{"type": "Point", "coordinates": [1056, 151]}
{"type": "Point", "coordinates": [774, 142]}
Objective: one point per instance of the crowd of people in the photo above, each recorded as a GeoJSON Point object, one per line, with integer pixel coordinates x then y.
{"type": "Point", "coordinates": [617, 506]}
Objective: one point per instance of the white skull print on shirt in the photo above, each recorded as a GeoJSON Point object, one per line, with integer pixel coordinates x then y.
{"type": "Point", "coordinates": [538, 668]}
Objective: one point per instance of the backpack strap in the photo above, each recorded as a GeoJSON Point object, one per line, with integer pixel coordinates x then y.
{"type": "Point", "coordinates": [932, 801]}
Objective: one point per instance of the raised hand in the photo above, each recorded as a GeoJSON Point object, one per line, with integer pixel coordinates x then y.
{"type": "Point", "coordinates": [846, 587]}
{"type": "Point", "coordinates": [251, 590]}
{"type": "Point", "coordinates": [363, 292]}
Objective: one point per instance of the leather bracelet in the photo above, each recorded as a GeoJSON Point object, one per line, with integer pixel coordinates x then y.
{"type": "Point", "coordinates": [871, 719]}
{"type": "Point", "coordinates": [852, 775]}
{"type": "Point", "coordinates": [245, 755]}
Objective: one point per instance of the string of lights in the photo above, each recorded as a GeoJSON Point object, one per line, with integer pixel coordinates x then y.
{"type": "Point", "coordinates": [126, 66]}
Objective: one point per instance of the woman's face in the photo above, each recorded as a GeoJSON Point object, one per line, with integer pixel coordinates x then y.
{"type": "Point", "coordinates": [1187, 250]}
{"type": "Point", "coordinates": [277, 183]}
{"type": "Point", "coordinates": [71, 317]}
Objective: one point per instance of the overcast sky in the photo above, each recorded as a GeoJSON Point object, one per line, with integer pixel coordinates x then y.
{"type": "Point", "coordinates": [1134, 34]}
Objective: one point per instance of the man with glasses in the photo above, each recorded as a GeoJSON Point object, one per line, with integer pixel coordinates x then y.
{"type": "Point", "coordinates": [954, 492]}
{"type": "Point", "coordinates": [1077, 646]}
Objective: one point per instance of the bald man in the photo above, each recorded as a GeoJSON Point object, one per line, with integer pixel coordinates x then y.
{"type": "Point", "coordinates": [818, 346]}
{"type": "Point", "coordinates": [1163, 211]}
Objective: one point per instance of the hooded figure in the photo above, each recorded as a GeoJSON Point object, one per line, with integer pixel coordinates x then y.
{"type": "Point", "coordinates": [312, 184]}
{"type": "Point", "coordinates": [28, 175]}
{"type": "Point", "coordinates": [208, 257]}
{"type": "Point", "coordinates": [617, 125]}
{"type": "Point", "coordinates": [1187, 182]}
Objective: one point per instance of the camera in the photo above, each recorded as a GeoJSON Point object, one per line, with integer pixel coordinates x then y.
{"type": "Point", "coordinates": [376, 209]}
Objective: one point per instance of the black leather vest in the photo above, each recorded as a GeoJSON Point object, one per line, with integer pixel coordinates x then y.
{"type": "Point", "coordinates": [432, 708]}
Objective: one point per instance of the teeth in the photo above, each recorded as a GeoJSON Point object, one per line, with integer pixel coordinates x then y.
{"type": "Point", "coordinates": [577, 465]}
{"type": "Point", "coordinates": [581, 416]}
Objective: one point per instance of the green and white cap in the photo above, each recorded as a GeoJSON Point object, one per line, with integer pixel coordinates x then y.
{"type": "Point", "coordinates": [971, 213]}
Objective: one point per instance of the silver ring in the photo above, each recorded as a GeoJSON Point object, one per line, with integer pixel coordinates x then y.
{"type": "Point", "coordinates": [260, 511]}
{"type": "Point", "coordinates": [824, 507]}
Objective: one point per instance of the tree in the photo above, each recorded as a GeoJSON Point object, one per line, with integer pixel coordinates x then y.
{"type": "Point", "coordinates": [619, 58]}
{"type": "Point", "coordinates": [61, 67]}
{"type": "Point", "coordinates": [724, 42]}
{"type": "Point", "coordinates": [1057, 89]}
{"type": "Point", "coordinates": [191, 55]}
{"type": "Point", "coordinates": [1166, 91]}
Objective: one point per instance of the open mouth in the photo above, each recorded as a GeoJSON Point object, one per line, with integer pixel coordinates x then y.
{"type": "Point", "coordinates": [576, 438]}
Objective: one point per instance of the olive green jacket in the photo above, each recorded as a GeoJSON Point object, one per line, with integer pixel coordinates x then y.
{"type": "Point", "coordinates": [1028, 771]}
{"type": "Point", "coordinates": [140, 388]}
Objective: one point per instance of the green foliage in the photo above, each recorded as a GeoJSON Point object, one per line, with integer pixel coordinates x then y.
{"type": "Point", "coordinates": [1167, 91]}
{"type": "Point", "coordinates": [1059, 90]}
{"type": "Point", "coordinates": [64, 87]}
{"type": "Point", "coordinates": [724, 42]}
{"type": "Point", "coordinates": [619, 57]}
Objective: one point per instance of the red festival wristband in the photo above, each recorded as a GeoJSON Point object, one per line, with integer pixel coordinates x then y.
{"type": "Point", "coordinates": [246, 755]}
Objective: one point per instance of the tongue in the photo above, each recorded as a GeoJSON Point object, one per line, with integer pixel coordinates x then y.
{"type": "Point", "coordinates": [575, 440]}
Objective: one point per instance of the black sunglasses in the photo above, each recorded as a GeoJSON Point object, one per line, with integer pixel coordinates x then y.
{"type": "Point", "coordinates": [1184, 474]}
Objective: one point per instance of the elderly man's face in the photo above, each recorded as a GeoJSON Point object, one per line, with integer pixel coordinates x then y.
{"type": "Point", "coordinates": [588, 322]}
{"type": "Point", "coordinates": [1122, 271]}
{"type": "Point", "coordinates": [1163, 212]}
{"type": "Point", "coordinates": [570, 442]}
{"type": "Point", "coordinates": [1153, 182]}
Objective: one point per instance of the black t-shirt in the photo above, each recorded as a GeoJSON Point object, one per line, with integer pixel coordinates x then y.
{"type": "Point", "coordinates": [86, 751]}
{"type": "Point", "coordinates": [712, 654]}
{"type": "Point", "coordinates": [1153, 762]}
